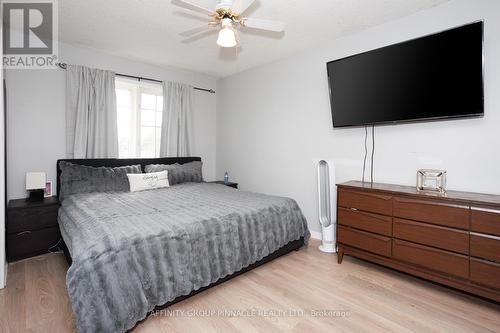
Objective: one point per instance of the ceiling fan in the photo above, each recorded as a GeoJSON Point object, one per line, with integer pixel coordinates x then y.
{"type": "Point", "coordinates": [227, 17]}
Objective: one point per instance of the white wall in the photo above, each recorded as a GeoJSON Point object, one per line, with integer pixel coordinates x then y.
{"type": "Point", "coordinates": [274, 120]}
{"type": "Point", "coordinates": [36, 113]}
{"type": "Point", "coordinates": [3, 267]}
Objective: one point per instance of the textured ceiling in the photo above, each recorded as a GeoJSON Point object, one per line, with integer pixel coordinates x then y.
{"type": "Point", "coordinates": [148, 30]}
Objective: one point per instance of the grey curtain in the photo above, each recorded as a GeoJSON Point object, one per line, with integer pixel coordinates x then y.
{"type": "Point", "coordinates": [176, 121]}
{"type": "Point", "coordinates": [91, 116]}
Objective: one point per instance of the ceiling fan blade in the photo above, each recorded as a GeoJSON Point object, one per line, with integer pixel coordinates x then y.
{"type": "Point", "coordinates": [198, 36]}
{"type": "Point", "coordinates": [191, 6]}
{"type": "Point", "coordinates": [240, 6]}
{"type": "Point", "coordinates": [275, 26]}
{"type": "Point", "coordinates": [196, 31]}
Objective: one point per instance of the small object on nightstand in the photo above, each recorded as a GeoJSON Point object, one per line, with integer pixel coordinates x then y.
{"type": "Point", "coordinates": [226, 178]}
{"type": "Point", "coordinates": [32, 228]}
{"type": "Point", "coordinates": [35, 185]}
{"type": "Point", "coordinates": [431, 180]}
{"type": "Point", "coordinates": [221, 182]}
{"type": "Point", "coordinates": [48, 189]}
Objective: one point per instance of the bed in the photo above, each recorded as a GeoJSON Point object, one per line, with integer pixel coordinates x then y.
{"type": "Point", "coordinates": [131, 253]}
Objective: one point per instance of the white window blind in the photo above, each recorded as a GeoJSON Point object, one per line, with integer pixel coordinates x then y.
{"type": "Point", "coordinates": [139, 107]}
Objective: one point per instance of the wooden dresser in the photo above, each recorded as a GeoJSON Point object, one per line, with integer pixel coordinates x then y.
{"type": "Point", "coordinates": [453, 239]}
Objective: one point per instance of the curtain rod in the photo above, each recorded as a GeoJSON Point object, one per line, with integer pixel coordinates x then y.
{"type": "Point", "coordinates": [140, 78]}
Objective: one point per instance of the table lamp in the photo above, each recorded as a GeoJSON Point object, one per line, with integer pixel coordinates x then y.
{"type": "Point", "coordinates": [35, 185]}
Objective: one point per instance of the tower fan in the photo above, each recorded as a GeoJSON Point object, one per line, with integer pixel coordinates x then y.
{"type": "Point", "coordinates": [327, 206]}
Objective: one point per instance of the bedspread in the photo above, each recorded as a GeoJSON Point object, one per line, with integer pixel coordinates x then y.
{"type": "Point", "coordinates": [134, 251]}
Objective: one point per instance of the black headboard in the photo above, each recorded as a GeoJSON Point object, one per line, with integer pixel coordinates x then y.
{"type": "Point", "coordinates": [117, 162]}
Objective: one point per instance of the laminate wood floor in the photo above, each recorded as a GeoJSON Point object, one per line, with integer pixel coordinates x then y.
{"type": "Point", "coordinates": [304, 291]}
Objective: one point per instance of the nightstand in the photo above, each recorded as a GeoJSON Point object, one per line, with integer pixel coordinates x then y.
{"type": "Point", "coordinates": [220, 182]}
{"type": "Point", "coordinates": [32, 228]}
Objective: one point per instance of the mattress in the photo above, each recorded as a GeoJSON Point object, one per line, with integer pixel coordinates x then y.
{"type": "Point", "coordinates": [133, 251]}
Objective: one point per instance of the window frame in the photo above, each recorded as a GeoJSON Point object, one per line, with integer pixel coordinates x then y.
{"type": "Point", "coordinates": [137, 89]}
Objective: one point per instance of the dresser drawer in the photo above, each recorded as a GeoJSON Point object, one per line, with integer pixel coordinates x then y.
{"type": "Point", "coordinates": [379, 224]}
{"type": "Point", "coordinates": [434, 212]}
{"type": "Point", "coordinates": [485, 246]}
{"type": "Point", "coordinates": [485, 220]}
{"type": "Point", "coordinates": [26, 243]}
{"type": "Point", "coordinates": [19, 220]}
{"type": "Point", "coordinates": [485, 273]}
{"type": "Point", "coordinates": [366, 201]}
{"type": "Point", "coordinates": [437, 260]}
{"type": "Point", "coordinates": [365, 241]}
{"type": "Point", "coordinates": [436, 236]}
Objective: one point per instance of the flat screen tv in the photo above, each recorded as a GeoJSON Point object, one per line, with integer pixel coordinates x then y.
{"type": "Point", "coordinates": [434, 77]}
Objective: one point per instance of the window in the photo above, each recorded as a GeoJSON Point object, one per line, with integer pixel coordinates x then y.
{"type": "Point", "coordinates": [139, 107]}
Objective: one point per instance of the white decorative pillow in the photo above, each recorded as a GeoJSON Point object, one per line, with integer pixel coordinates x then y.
{"type": "Point", "coordinates": [148, 181]}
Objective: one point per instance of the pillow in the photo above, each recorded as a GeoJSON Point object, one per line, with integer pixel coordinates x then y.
{"type": "Point", "coordinates": [179, 173]}
{"type": "Point", "coordinates": [84, 179]}
{"type": "Point", "coordinates": [148, 181]}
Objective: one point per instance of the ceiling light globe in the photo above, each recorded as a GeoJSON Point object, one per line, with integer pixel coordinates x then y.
{"type": "Point", "coordinates": [227, 38]}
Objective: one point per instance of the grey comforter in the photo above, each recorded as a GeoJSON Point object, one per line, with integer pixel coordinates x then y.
{"type": "Point", "coordinates": [134, 251]}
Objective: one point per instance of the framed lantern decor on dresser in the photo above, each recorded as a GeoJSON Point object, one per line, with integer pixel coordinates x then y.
{"type": "Point", "coordinates": [431, 180]}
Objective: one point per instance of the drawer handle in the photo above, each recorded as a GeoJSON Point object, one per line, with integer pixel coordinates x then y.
{"type": "Point", "coordinates": [486, 210]}
{"type": "Point", "coordinates": [379, 238]}
{"type": "Point", "coordinates": [433, 204]}
{"type": "Point", "coordinates": [368, 214]}
{"type": "Point", "coordinates": [370, 195]}
{"type": "Point", "coordinates": [410, 245]}
{"type": "Point", "coordinates": [485, 236]}
{"type": "Point", "coordinates": [23, 232]}
{"type": "Point", "coordinates": [367, 234]}
{"type": "Point", "coordinates": [423, 248]}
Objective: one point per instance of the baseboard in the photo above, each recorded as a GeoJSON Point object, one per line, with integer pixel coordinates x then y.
{"type": "Point", "coordinates": [315, 234]}
{"type": "Point", "coordinates": [4, 284]}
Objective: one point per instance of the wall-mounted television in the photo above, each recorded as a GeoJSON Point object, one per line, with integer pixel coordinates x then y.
{"type": "Point", "coordinates": [434, 77]}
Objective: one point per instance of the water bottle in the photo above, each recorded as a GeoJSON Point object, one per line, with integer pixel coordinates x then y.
{"type": "Point", "coordinates": [226, 178]}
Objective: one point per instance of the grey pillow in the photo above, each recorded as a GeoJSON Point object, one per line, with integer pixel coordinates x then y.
{"type": "Point", "coordinates": [84, 179]}
{"type": "Point", "coordinates": [179, 173]}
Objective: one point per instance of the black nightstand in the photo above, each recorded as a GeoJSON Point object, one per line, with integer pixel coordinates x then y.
{"type": "Point", "coordinates": [32, 228]}
{"type": "Point", "coordinates": [220, 182]}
